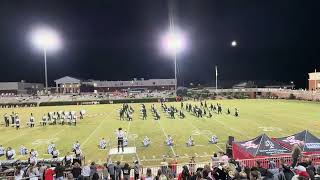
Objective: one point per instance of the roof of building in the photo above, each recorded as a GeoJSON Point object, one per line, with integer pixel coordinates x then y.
{"type": "Point", "coordinates": [67, 80]}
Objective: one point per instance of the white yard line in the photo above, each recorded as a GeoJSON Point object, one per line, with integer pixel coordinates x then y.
{"type": "Point", "coordinates": [165, 134]}
{"type": "Point", "coordinates": [20, 134]}
{"type": "Point", "coordinates": [232, 129]}
{"type": "Point", "coordinates": [195, 127]}
{"type": "Point", "coordinates": [93, 132]}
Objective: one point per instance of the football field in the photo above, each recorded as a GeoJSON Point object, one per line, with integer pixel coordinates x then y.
{"type": "Point", "coordinates": [276, 118]}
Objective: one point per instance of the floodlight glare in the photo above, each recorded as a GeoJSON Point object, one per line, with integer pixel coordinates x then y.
{"type": "Point", "coordinates": [173, 42]}
{"type": "Point", "coordinates": [46, 38]}
{"type": "Point", "coordinates": [234, 43]}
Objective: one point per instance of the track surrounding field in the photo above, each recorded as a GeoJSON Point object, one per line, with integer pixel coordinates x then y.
{"type": "Point", "coordinates": [273, 117]}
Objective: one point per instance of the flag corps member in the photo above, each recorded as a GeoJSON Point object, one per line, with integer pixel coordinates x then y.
{"type": "Point", "coordinates": [120, 136]}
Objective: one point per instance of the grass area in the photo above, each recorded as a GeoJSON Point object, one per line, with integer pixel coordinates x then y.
{"type": "Point", "coordinates": [273, 117]}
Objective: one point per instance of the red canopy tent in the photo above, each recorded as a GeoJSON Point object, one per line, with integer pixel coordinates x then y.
{"type": "Point", "coordinates": [261, 146]}
{"type": "Point", "coordinates": [309, 143]}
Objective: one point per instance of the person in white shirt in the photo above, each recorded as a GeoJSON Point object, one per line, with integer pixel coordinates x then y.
{"type": "Point", "coordinates": [86, 172]}
{"type": "Point", "coordinates": [50, 147]}
{"type": "Point", "coordinates": [44, 119]}
{"type": "Point", "coordinates": [32, 120]}
{"type": "Point", "coordinates": [125, 141]}
{"type": "Point", "coordinates": [103, 144]}
{"type": "Point", "coordinates": [18, 174]}
{"type": "Point", "coordinates": [169, 141]}
{"type": "Point", "coordinates": [120, 135]}
{"type": "Point", "coordinates": [33, 159]}
{"type": "Point", "coordinates": [2, 151]}
{"type": "Point", "coordinates": [214, 139]}
{"type": "Point", "coordinates": [69, 159]}
{"type": "Point", "coordinates": [17, 122]}
{"type": "Point", "coordinates": [146, 141]}
{"type": "Point", "coordinates": [190, 142]}
{"type": "Point", "coordinates": [23, 150]}
{"type": "Point", "coordinates": [55, 153]}
{"type": "Point", "coordinates": [76, 146]}
{"type": "Point", "coordinates": [10, 153]}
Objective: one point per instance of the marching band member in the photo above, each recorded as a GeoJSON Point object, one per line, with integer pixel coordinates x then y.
{"type": "Point", "coordinates": [214, 139]}
{"type": "Point", "coordinates": [103, 144]}
{"type": "Point", "coordinates": [10, 153]}
{"type": "Point", "coordinates": [2, 151]}
{"type": "Point", "coordinates": [33, 159]}
{"type": "Point", "coordinates": [32, 120]}
{"type": "Point", "coordinates": [120, 135]}
{"type": "Point", "coordinates": [69, 159]}
{"type": "Point", "coordinates": [82, 113]}
{"type": "Point", "coordinates": [17, 122]}
{"type": "Point", "coordinates": [50, 147]}
{"type": "Point", "coordinates": [146, 141]}
{"type": "Point", "coordinates": [44, 120]}
{"type": "Point", "coordinates": [169, 141]}
{"type": "Point", "coordinates": [190, 142]}
{"type": "Point", "coordinates": [125, 141]}
{"type": "Point", "coordinates": [55, 153]}
{"type": "Point", "coordinates": [23, 150]}
{"type": "Point", "coordinates": [74, 119]}
{"type": "Point", "coordinates": [76, 146]}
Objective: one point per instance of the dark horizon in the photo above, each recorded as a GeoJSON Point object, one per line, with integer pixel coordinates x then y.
{"type": "Point", "coordinates": [113, 40]}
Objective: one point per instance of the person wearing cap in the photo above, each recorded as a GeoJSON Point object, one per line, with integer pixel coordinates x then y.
{"type": "Point", "coordinates": [301, 173]}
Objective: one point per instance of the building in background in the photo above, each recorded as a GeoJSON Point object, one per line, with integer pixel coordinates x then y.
{"type": "Point", "coordinates": [314, 81]}
{"type": "Point", "coordinates": [17, 88]}
{"type": "Point", "coordinates": [69, 84]}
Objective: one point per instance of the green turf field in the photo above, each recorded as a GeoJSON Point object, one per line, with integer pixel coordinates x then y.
{"type": "Point", "coordinates": [274, 117]}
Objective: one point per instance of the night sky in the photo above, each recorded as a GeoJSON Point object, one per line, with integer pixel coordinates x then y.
{"type": "Point", "coordinates": [119, 39]}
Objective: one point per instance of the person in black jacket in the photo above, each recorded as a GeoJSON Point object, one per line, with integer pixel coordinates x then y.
{"type": "Point", "coordinates": [59, 172]}
{"type": "Point", "coordinates": [76, 170]}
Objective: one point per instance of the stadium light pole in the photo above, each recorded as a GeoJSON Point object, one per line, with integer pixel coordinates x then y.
{"type": "Point", "coordinates": [173, 43]}
{"type": "Point", "coordinates": [45, 39]}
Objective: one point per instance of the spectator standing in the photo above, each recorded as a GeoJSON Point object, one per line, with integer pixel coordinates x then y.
{"type": "Point", "coordinates": [93, 169]}
{"type": "Point", "coordinates": [301, 173]}
{"type": "Point", "coordinates": [59, 170]}
{"type": "Point", "coordinates": [76, 170]}
{"type": "Point", "coordinates": [126, 171]}
{"type": "Point", "coordinates": [118, 169]}
{"type": "Point", "coordinates": [105, 172]}
{"type": "Point", "coordinates": [49, 173]}
{"type": "Point", "coordinates": [185, 174]}
{"type": "Point", "coordinates": [148, 175]}
{"type": "Point", "coordinates": [136, 169]}
{"type": "Point", "coordinates": [18, 174]}
{"type": "Point", "coordinates": [296, 153]}
{"type": "Point", "coordinates": [33, 172]}
{"type": "Point", "coordinates": [86, 172]}
{"type": "Point", "coordinates": [111, 170]}
{"type": "Point", "coordinates": [42, 170]}
{"type": "Point", "coordinates": [160, 176]}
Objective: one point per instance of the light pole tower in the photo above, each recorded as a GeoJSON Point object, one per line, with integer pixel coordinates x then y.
{"type": "Point", "coordinates": [46, 39]}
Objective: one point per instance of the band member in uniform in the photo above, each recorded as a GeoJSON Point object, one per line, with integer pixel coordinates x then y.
{"type": "Point", "coordinates": [6, 120]}
{"type": "Point", "coordinates": [103, 144]}
{"type": "Point", "coordinates": [23, 150]}
{"type": "Point", "coordinates": [82, 112]}
{"type": "Point", "coordinates": [10, 153]}
{"type": "Point", "coordinates": [44, 120]}
{"type": "Point", "coordinates": [2, 151]}
{"type": "Point", "coordinates": [76, 146]}
{"type": "Point", "coordinates": [120, 136]}
{"type": "Point", "coordinates": [33, 159]}
{"type": "Point", "coordinates": [17, 122]}
{"type": "Point", "coordinates": [190, 142]}
{"type": "Point", "coordinates": [146, 141]}
{"type": "Point", "coordinates": [236, 112]}
{"type": "Point", "coordinates": [50, 147]}
{"type": "Point", "coordinates": [169, 141]}
{"type": "Point", "coordinates": [125, 141]}
{"type": "Point", "coordinates": [32, 120]}
{"type": "Point", "coordinates": [55, 152]}
{"type": "Point", "coordinates": [68, 159]}
{"type": "Point", "coordinates": [214, 139]}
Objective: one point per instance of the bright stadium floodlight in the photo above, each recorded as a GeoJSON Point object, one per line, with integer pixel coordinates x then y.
{"type": "Point", "coordinates": [173, 43]}
{"type": "Point", "coordinates": [45, 39]}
